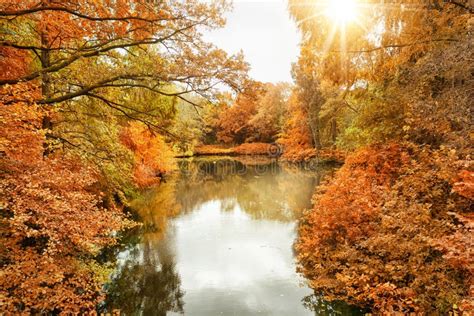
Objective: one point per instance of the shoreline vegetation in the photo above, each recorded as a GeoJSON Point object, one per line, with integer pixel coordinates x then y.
{"type": "Point", "coordinates": [273, 150]}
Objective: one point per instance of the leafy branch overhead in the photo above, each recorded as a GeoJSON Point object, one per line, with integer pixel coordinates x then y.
{"type": "Point", "coordinates": [63, 37]}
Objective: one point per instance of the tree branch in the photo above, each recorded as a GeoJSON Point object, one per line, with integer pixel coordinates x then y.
{"type": "Point", "coordinates": [397, 46]}
{"type": "Point", "coordinates": [463, 6]}
{"type": "Point", "coordinates": [58, 66]}
{"type": "Point", "coordinates": [118, 107]}
{"type": "Point", "coordinates": [17, 13]}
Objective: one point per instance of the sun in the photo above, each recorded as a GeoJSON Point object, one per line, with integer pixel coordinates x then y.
{"type": "Point", "coordinates": [341, 11]}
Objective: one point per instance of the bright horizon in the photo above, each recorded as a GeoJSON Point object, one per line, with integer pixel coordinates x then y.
{"type": "Point", "coordinates": [265, 33]}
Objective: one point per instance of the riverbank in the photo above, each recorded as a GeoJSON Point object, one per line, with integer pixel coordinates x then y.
{"type": "Point", "coordinates": [243, 149]}
{"type": "Point", "coordinates": [273, 150]}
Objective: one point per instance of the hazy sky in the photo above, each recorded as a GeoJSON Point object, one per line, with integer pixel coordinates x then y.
{"type": "Point", "coordinates": [265, 33]}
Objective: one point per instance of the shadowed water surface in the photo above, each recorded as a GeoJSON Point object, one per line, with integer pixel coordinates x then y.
{"type": "Point", "coordinates": [217, 240]}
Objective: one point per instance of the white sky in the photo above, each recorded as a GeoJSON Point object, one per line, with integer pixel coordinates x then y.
{"type": "Point", "coordinates": [263, 30]}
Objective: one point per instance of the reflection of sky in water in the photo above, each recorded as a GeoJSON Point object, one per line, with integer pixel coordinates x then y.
{"type": "Point", "coordinates": [216, 243]}
{"type": "Point", "coordinates": [232, 264]}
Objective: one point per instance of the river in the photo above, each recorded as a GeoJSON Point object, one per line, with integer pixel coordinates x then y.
{"type": "Point", "coordinates": [217, 239]}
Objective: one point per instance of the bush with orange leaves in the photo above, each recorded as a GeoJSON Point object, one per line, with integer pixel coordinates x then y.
{"type": "Point", "coordinates": [384, 232]}
{"type": "Point", "coordinates": [256, 149]}
{"type": "Point", "coordinates": [152, 156]}
{"type": "Point", "coordinates": [52, 223]}
{"type": "Point", "coordinates": [248, 149]}
{"type": "Point", "coordinates": [213, 150]}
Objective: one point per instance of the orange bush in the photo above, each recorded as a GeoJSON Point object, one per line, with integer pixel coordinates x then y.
{"type": "Point", "coordinates": [372, 236]}
{"type": "Point", "coordinates": [295, 154]}
{"type": "Point", "coordinates": [212, 150]}
{"type": "Point", "coordinates": [256, 149]}
{"type": "Point", "coordinates": [243, 149]}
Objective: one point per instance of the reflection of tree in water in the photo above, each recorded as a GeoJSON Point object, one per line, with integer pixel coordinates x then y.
{"type": "Point", "coordinates": [146, 281]}
{"type": "Point", "coordinates": [156, 207]}
{"type": "Point", "coordinates": [264, 189]}
{"type": "Point", "coordinates": [321, 307]}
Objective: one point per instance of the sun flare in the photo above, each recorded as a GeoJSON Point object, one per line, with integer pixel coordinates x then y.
{"type": "Point", "coordinates": [341, 11]}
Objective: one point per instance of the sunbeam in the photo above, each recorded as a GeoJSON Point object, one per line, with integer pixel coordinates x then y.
{"type": "Point", "coordinates": [341, 11]}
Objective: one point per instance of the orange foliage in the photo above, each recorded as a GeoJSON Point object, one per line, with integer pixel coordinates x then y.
{"type": "Point", "coordinates": [372, 237]}
{"type": "Point", "coordinates": [458, 248]}
{"type": "Point", "coordinates": [273, 150]}
{"type": "Point", "coordinates": [233, 123]}
{"type": "Point", "coordinates": [52, 223]}
{"type": "Point", "coordinates": [465, 184]}
{"type": "Point", "coordinates": [103, 19]}
{"type": "Point", "coordinates": [153, 157]}
{"type": "Point", "coordinates": [213, 150]}
{"type": "Point", "coordinates": [256, 149]}
{"type": "Point", "coordinates": [13, 63]}
{"type": "Point", "coordinates": [329, 154]}
{"type": "Point", "coordinates": [293, 154]}
{"type": "Point", "coordinates": [243, 149]}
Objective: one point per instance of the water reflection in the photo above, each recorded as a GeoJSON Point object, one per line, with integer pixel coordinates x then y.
{"type": "Point", "coordinates": [146, 281]}
{"type": "Point", "coordinates": [263, 189]}
{"type": "Point", "coordinates": [217, 240]}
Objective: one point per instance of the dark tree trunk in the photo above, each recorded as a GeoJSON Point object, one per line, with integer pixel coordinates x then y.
{"type": "Point", "coordinates": [45, 59]}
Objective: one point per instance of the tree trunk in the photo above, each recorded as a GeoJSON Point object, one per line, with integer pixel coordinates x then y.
{"type": "Point", "coordinates": [314, 124]}
{"type": "Point", "coordinates": [45, 59]}
{"type": "Point", "coordinates": [316, 133]}
{"type": "Point", "coordinates": [333, 131]}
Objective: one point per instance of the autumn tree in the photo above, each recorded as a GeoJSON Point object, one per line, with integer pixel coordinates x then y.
{"type": "Point", "coordinates": [309, 94]}
{"type": "Point", "coordinates": [134, 45]}
{"type": "Point", "coordinates": [69, 33]}
{"type": "Point", "coordinates": [234, 122]}
{"type": "Point", "coordinates": [358, 63]}
{"type": "Point", "coordinates": [397, 74]}
{"type": "Point", "coordinates": [210, 116]}
{"type": "Point", "coordinates": [267, 123]}
{"type": "Point", "coordinates": [53, 219]}
{"type": "Point", "coordinates": [296, 138]}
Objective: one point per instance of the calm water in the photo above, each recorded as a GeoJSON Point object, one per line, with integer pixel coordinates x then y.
{"type": "Point", "coordinates": [217, 240]}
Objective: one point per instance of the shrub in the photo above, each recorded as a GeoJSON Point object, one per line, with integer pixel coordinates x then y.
{"type": "Point", "coordinates": [373, 236]}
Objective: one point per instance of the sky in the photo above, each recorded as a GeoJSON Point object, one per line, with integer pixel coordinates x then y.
{"type": "Point", "coordinates": [263, 30]}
